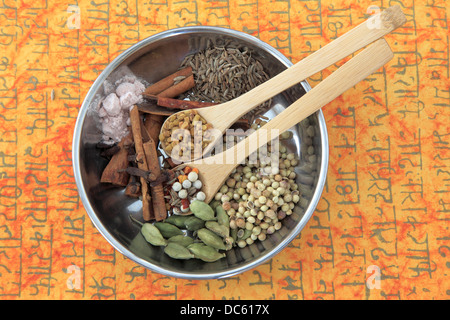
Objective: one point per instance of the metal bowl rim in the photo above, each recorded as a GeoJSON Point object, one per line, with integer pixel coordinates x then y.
{"type": "Point", "coordinates": [79, 181]}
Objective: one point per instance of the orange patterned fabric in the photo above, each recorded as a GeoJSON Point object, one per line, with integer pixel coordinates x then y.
{"type": "Point", "coordinates": [385, 209]}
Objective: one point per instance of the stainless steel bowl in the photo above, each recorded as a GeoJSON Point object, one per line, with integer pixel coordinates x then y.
{"type": "Point", "coordinates": [109, 208]}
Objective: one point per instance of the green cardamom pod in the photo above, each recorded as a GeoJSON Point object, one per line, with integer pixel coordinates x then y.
{"type": "Point", "coordinates": [168, 230]}
{"type": "Point", "coordinates": [177, 251]}
{"type": "Point", "coordinates": [217, 228]}
{"type": "Point", "coordinates": [211, 239]}
{"type": "Point", "coordinates": [181, 239]}
{"type": "Point", "coordinates": [204, 252]}
{"type": "Point", "coordinates": [194, 223]}
{"type": "Point", "coordinates": [244, 234]}
{"type": "Point", "coordinates": [202, 210]}
{"type": "Point", "coordinates": [177, 220]}
{"type": "Point", "coordinates": [233, 233]}
{"type": "Point", "coordinates": [153, 235]}
{"type": "Point", "coordinates": [222, 216]}
{"type": "Point", "coordinates": [140, 245]}
{"type": "Point", "coordinates": [214, 204]}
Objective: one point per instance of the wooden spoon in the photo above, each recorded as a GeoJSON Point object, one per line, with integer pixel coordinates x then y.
{"type": "Point", "coordinates": [214, 170]}
{"type": "Point", "coordinates": [222, 116]}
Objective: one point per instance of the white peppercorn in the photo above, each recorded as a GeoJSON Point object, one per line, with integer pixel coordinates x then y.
{"type": "Point", "coordinates": [240, 222]}
{"type": "Point", "coordinates": [193, 176]}
{"type": "Point", "coordinates": [258, 216]}
{"type": "Point", "coordinates": [270, 213]}
{"type": "Point", "coordinates": [262, 199]}
{"type": "Point", "coordinates": [182, 194]}
{"type": "Point", "coordinates": [176, 186]}
{"type": "Point", "coordinates": [267, 193]}
{"type": "Point", "coordinates": [201, 196]}
{"type": "Point", "coordinates": [261, 236]}
{"type": "Point", "coordinates": [258, 194]}
{"type": "Point", "coordinates": [226, 206]}
{"type": "Point", "coordinates": [256, 230]}
{"type": "Point", "coordinates": [187, 184]}
{"type": "Point", "coordinates": [287, 197]}
{"type": "Point", "coordinates": [231, 182]}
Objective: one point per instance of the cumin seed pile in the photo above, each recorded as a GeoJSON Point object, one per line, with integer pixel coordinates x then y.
{"type": "Point", "coordinates": [223, 73]}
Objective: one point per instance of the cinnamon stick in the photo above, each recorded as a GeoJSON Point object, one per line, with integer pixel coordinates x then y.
{"type": "Point", "coordinates": [177, 89]}
{"type": "Point", "coordinates": [180, 104]}
{"type": "Point", "coordinates": [114, 171]}
{"type": "Point", "coordinates": [167, 82]}
{"type": "Point", "coordinates": [150, 107]}
{"type": "Point", "coordinates": [135, 119]}
{"type": "Point", "coordinates": [157, 191]}
{"type": "Point", "coordinates": [153, 124]}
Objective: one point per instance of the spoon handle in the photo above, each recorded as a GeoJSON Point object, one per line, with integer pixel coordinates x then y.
{"type": "Point", "coordinates": [347, 76]}
{"type": "Point", "coordinates": [362, 35]}
{"type": "Point", "coordinates": [216, 169]}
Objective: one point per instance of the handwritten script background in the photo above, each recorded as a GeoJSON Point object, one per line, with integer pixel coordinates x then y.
{"type": "Point", "coordinates": [386, 202]}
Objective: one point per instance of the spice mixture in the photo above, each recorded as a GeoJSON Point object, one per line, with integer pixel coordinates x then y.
{"type": "Point", "coordinates": [258, 196]}
{"type": "Point", "coordinates": [255, 198]}
{"type": "Point", "coordinates": [182, 190]}
{"type": "Point", "coordinates": [184, 135]}
{"type": "Point", "coordinates": [223, 73]}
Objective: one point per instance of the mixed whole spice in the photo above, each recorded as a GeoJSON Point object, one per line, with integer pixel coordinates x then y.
{"type": "Point", "coordinates": [252, 202]}
{"type": "Point", "coordinates": [198, 136]}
